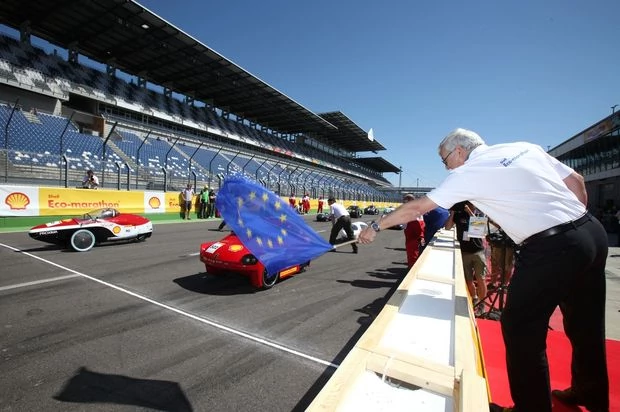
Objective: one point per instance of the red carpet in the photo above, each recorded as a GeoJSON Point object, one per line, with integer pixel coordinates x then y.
{"type": "Point", "coordinates": [558, 352]}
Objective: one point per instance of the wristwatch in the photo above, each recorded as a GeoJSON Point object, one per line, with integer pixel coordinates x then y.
{"type": "Point", "coordinates": [375, 226]}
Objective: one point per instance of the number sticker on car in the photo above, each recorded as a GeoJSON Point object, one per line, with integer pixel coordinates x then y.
{"type": "Point", "coordinates": [214, 247]}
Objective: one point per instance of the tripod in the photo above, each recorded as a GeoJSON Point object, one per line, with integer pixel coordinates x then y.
{"type": "Point", "coordinates": [496, 299]}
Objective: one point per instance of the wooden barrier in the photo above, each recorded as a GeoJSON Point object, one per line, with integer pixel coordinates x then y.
{"type": "Point", "coordinates": [422, 352]}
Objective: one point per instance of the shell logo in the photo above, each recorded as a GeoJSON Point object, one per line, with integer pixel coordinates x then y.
{"type": "Point", "coordinates": [17, 201]}
{"type": "Point", "coordinates": [154, 202]}
{"type": "Point", "coordinates": [235, 248]}
{"type": "Point", "coordinates": [116, 230]}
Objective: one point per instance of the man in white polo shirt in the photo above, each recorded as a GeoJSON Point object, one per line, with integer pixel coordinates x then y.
{"type": "Point", "coordinates": [340, 220]}
{"type": "Point", "coordinates": [541, 204]}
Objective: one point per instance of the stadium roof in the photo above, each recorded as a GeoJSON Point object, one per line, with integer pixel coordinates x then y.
{"type": "Point", "coordinates": [377, 163]}
{"type": "Point", "coordinates": [125, 35]}
{"type": "Point", "coordinates": [349, 135]}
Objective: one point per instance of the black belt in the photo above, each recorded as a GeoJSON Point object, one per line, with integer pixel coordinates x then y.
{"type": "Point", "coordinates": [552, 231]}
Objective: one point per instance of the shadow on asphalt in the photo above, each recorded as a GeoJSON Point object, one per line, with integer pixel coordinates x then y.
{"type": "Point", "coordinates": [219, 285]}
{"type": "Point", "coordinates": [94, 387]}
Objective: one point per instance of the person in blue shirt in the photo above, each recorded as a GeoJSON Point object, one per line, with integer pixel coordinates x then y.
{"type": "Point", "coordinates": [433, 221]}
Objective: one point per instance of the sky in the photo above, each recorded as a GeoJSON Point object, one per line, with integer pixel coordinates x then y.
{"type": "Point", "coordinates": [533, 70]}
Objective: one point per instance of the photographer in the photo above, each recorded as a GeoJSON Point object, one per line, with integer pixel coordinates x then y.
{"type": "Point", "coordinates": [90, 180]}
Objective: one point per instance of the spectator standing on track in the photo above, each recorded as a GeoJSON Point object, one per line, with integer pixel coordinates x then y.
{"type": "Point", "coordinates": [204, 200]}
{"type": "Point", "coordinates": [561, 255]}
{"type": "Point", "coordinates": [188, 196]}
{"type": "Point", "coordinates": [211, 203]}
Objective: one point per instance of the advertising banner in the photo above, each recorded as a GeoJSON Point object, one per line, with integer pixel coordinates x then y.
{"type": "Point", "coordinates": [61, 201]}
{"type": "Point", "coordinates": [154, 202]}
{"type": "Point", "coordinates": [19, 201]}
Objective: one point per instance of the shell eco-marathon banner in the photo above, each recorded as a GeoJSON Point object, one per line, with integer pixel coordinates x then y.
{"type": "Point", "coordinates": [51, 201]}
{"type": "Point", "coordinates": [26, 201]}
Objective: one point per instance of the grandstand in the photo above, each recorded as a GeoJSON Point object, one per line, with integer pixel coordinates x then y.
{"type": "Point", "coordinates": [148, 107]}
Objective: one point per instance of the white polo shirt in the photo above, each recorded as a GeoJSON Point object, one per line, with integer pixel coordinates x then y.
{"type": "Point", "coordinates": [518, 185]}
{"type": "Point", "coordinates": [338, 210]}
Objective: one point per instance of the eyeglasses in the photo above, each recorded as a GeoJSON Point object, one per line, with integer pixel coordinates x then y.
{"type": "Point", "coordinates": [444, 160]}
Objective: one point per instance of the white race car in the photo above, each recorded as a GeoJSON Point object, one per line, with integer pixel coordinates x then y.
{"type": "Point", "coordinates": [357, 229]}
{"type": "Point", "coordinates": [97, 226]}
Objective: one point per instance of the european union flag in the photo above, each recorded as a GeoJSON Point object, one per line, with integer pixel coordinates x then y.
{"type": "Point", "coordinates": [268, 226]}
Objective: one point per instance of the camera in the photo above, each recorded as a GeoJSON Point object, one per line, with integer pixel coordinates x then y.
{"type": "Point", "coordinates": [500, 238]}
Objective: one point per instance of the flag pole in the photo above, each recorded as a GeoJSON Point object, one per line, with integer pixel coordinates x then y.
{"type": "Point", "coordinates": [348, 242]}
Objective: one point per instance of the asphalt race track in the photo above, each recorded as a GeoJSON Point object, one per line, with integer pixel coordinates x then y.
{"type": "Point", "coordinates": [140, 326]}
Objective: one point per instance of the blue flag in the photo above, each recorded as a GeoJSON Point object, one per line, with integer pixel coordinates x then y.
{"type": "Point", "coordinates": [268, 226]}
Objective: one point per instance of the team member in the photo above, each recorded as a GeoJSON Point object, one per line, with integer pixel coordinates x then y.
{"type": "Point", "coordinates": [340, 220]}
{"type": "Point", "coordinates": [414, 236]}
{"type": "Point", "coordinates": [540, 203]}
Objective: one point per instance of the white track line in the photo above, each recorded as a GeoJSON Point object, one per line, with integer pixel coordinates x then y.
{"type": "Point", "coordinates": [180, 312]}
{"type": "Point", "coordinates": [37, 282]}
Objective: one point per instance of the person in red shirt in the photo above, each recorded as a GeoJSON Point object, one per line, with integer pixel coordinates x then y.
{"type": "Point", "coordinates": [320, 208]}
{"type": "Point", "coordinates": [414, 236]}
{"type": "Point", "coordinates": [292, 201]}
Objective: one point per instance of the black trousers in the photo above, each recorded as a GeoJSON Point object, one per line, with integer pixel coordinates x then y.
{"type": "Point", "coordinates": [343, 222]}
{"type": "Point", "coordinates": [568, 270]}
{"type": "Point", "coordinates": [210, 209]}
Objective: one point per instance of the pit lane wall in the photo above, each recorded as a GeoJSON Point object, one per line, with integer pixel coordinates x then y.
{"type": "Point", "coordinates": [26, 201]}
{"type": "Point", "coordinates": [422, 352]}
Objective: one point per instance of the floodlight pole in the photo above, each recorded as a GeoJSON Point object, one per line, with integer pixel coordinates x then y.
{"type": "Point", "coordinates": [248, 162]}
{"type": "Point", "coordinates": [138, 157]}
{"type": "Point", "coordinates": [104, 161]}
{"type": "Point", "coordinates": [61, 139]}
{"type": "Point", "coordinates": [259, 167]}
{"type": "Point", "coordinates": [231, 160]}
{"type": "Point", "coordinates": [166, 164]}
{"type": "Point", "coordinates": [6, 140]}
{"type": "Point", "coordinates": [210, 163]}
{"type": "Point", "coordinates": [189, 166]}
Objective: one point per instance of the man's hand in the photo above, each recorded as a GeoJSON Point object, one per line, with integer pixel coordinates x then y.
{"type": "Point", "coordinates": [367, 236]}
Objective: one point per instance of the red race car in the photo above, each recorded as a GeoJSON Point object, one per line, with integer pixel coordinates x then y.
{"type": "Point", "coordinates": [228, 255]}
{"type": "Point", "coordinates": [101, 225]}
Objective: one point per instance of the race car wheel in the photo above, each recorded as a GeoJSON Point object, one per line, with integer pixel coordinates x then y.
{"type": "Point", "coordinates": [141, 238]}
{"type": "Point", "coordinates": [82, 240]}
{"type": "Point", "coordinates": [269, 279]}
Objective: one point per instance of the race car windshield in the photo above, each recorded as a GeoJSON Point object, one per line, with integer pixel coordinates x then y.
{"type": "Point", "coordinates": [101, 213]}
